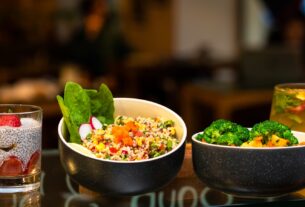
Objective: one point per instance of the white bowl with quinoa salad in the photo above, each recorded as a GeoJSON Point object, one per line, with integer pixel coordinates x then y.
{"type": "Point", "coordinates": [140, 152]}
{"type": "Point", "coordinates": [133, 139]}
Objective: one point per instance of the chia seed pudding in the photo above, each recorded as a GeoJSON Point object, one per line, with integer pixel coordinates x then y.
{"type": "Point", "coordinates": [21, 143]}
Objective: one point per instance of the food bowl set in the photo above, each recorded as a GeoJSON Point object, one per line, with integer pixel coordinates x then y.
{"type": "Point", "coordinates": [125, 177]}
{"type": "Point", "coordinates": [250, 172]}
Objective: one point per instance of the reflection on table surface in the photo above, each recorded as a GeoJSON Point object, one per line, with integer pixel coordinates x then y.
{"type": "Point", "coordinates": [186, 190]}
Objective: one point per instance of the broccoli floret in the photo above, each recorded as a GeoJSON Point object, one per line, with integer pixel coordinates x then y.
{"type": "Point", "coordinates": [224, 132]}
{"type": "Point", "coordinates": [268, 128]}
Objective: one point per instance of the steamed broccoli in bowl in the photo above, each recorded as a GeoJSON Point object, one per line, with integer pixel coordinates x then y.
{"type": "Point", "coordinates": [224, 132]}
{"type": "Point", "coordinates": [271, 134]}
{"type": "Point", "coordinates": [265, 134]}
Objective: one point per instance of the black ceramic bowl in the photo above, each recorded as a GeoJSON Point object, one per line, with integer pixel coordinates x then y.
{"type": "Point", "coordinates": [125, 177]}
{"type": "Point", "coordinates": [250, 172]}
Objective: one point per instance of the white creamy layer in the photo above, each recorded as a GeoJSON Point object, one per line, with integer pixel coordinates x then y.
{"type": "Point", "coordinates": [26, 140]}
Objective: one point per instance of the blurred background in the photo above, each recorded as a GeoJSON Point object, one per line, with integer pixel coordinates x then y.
{"type": "Point", "coordinates": [205, 59]}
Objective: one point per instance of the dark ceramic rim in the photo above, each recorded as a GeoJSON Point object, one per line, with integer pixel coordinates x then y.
{"type": "Point", "coordinates": [248, 148]}
{"type": "Point", "coordinates": [181, 143]}
{"type": "Point", "coordinates": [34, 109]}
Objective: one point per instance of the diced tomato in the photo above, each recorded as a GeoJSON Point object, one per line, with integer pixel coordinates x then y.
{"type": "Point", "coordinates": [33, 162]}
{"type": "Point", "coordinates": [12, 166]}
{"type": "Point", "coordinates": [113, 150]}
{"type": "Point", "coordinates": [138, 134]}
{"type": "Point", "coordinates": [162, 147]}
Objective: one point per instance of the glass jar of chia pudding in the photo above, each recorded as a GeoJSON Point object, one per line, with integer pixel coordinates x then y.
{"type": "Point", "coordinates": [20, 147]}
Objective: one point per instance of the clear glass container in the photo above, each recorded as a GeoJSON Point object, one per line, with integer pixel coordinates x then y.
{"type": "Point", "coordinates": [288, 105]}
{"type": "Point", "coordinates": [20, 147]}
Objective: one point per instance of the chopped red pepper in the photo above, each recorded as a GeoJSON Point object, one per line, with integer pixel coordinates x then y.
{"type": "Point", "coordinates": [113, 150]}
{"type": "Point", "coordinates": [138, 134]}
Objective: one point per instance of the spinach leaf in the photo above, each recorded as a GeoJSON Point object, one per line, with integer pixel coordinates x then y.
{"type": "Point", "coordinates": [75, 107]}
{"type": "Point", "coordinates": [102, 105]}
{"type": "Point", "coordinates": [72, 128]}
{"type": "Point", "coordinates": [78, 102]}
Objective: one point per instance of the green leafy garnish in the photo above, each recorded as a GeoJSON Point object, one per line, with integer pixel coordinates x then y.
{"type": "Point", "coordinates": [102, 105]}
{"type": "Point", "coordinates": [72, 127]}
{"type": "Point", "coordinates": [79, 104]}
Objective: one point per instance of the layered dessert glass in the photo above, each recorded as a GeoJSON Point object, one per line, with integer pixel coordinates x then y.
{"type": "Point", "coordinates": [20, 147]}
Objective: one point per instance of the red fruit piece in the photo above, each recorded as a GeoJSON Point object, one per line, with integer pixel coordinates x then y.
{"type": "Point", "coordinates": [138, 134]}
{"type": "Point", "coordinates": [12, 166]}
{"type": "Point", "coordinates": [10, 120]}
{"type": "Point", "coordinates": [113, 150]}
{"type": "Point", "coordinates": [33, 161]}
{"type": "Point", "coordinates": [297, 109]}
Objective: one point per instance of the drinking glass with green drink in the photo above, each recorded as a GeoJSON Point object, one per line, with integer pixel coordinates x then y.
{"type": "Point", "coordinates": [288, 105]}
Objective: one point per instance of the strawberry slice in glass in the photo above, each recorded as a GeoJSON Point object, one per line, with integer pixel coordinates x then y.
{"type": "Point", "coordinates": [12, 166]}
{"type": "Point", "coordinates": [33, 162]}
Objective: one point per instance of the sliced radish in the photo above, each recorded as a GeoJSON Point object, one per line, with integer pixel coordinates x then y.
{"type": "Point", "coordinates": [95, 123]}
{"type": "Point", "coordinates": [84, 130]}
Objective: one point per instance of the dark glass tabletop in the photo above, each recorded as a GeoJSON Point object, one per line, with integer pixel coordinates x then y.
{"type": "Point", "coordinates": [57, 189]}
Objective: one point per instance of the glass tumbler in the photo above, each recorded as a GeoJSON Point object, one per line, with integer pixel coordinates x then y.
{"type": "Point", "coordinates": [20, 147]}
{"type": "Point", "coordinates": [288, 105]}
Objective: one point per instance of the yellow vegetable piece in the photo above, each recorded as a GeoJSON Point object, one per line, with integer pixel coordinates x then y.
{"type": "Point", "coordinates": [139, 141]}
{"type": "Point", "coordinates": [100, 147]}
{"type": "Point", "coordinates": [256, 142]}
{"type": "Point", "coordinates": [301, 95]}
{"type": "Point", "coordinates": [172, 130]}
{"type": "Point", "coordinates": [279, 142]}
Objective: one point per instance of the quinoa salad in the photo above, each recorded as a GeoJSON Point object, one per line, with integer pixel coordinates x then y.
{"type": "Point", "coordinates": [130, 139]}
